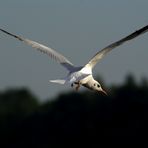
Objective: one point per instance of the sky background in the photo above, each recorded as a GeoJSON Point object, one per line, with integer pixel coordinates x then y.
{"type": "Point", "coordinates": [77, 29]}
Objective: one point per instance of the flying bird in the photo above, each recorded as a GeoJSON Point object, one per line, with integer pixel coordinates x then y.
{"type": "Point", "coordinates": [79, 75]}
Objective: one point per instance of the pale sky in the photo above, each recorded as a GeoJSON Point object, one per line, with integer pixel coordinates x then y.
{"type": "Point", "coordinates": [77, 29]}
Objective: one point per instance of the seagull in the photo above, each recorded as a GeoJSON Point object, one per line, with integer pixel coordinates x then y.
{"type": "Point", "coordinates": [79, 75]}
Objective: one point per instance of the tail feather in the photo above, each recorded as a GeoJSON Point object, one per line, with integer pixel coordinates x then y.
{"type": "Point", "coordinates": [59, 81]}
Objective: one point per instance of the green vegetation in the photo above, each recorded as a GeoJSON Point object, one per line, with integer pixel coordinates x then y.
{"type": "Point", "coordinates": [76, 119]}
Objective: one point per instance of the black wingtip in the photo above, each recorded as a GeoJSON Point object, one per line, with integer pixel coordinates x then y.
{"type": "Point", "coordinates": [142, 30]}
{"type": "Point", "coordinates": [11, 34]}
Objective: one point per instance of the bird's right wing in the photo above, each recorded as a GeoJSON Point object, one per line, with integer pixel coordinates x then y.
{"type": "Point", "coordinates": [52, 53]}
{"type": "Point", "coordinates": [99, 55]}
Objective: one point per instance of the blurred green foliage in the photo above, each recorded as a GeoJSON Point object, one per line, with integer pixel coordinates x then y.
{"type": "Point", "coordinates": [76, 119]}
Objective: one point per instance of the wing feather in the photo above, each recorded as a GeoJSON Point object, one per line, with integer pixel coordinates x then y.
{"type": "Point", "coordinates": [99, 55]}
{"type": "Point", "coordinates": [52, 53]}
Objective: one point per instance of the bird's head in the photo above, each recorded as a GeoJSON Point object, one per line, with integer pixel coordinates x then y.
{"type": "Point", "coordinates": [97, 87]}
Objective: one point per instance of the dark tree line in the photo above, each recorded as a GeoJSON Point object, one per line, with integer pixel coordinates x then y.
{"type": "Point", "coordinates": [76, 119]}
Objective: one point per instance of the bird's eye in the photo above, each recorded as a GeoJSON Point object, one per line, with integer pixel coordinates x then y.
{"type": "Point", "coordinates": [98, 85]}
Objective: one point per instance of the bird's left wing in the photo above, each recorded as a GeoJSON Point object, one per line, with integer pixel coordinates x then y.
{"type": "Point", "coordinates": [99, 55]}
{"type": "Point", "coordinates": [52, 53]}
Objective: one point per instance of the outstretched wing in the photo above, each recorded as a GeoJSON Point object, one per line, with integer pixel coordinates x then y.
{"type": "Point", "coordinates": [52, 53]}
{"type": "Point", "coordinates": [99, 55]}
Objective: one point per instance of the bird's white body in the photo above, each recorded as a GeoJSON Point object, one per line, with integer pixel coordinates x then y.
{"type": "Point", "coordinates": [79, 76]}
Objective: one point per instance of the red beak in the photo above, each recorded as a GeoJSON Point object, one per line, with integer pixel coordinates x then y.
{"type": "Point", "coordinates": [104, 92]}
